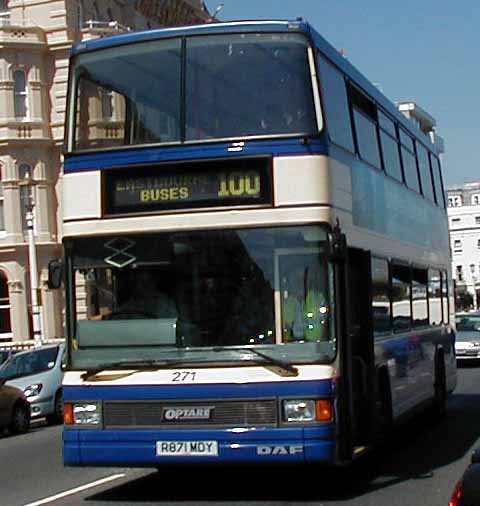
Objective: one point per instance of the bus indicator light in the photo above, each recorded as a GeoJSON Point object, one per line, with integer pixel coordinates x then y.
{"type": "Point", "coordinates": [324, 410]}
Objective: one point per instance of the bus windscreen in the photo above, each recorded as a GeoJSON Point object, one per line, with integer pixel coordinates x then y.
{"type": "Point", "coordinates": [235, 86]}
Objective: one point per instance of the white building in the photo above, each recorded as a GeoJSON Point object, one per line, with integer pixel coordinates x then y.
{"type": "Point", "coordinates": [35, 41]}
{"type": "Point", "coordinates": [464, 223]}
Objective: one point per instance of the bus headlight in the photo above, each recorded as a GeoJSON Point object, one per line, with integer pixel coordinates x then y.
{"type": "Point", "coordinates": [307, 410]}
{"type": "Point", "coordinates": [83, 413]}
{"type": "Point", "coordinates": [299, 410]}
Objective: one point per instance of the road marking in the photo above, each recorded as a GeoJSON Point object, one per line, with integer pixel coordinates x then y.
{"type": "Point", "coordinates": [75, 490]}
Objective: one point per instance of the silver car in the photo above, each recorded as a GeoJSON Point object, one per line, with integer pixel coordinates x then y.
{"type": "Point", "coordinates": [467, 342]}
{"type": "Point", "coordinates": [38, 373]}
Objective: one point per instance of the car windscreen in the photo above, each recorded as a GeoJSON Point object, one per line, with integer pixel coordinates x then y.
{"type": "Point", "coordinates": [26, 364]}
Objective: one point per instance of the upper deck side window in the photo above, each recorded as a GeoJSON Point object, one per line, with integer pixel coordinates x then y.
{"type": "Point", "coordinates": [335, 105]}
{"type": "Point", "coordinates": [389, 147]}
{"type": "Point", "coordinates": [438, 181]}
{"type": "Point", "coordinates": [425, 173]}
{"type": "Point", "coordinates": [409, 162]}
{"type": "Point", "coordinates": [364, 114]}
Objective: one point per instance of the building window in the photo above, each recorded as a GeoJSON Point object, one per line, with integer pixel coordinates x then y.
{"type": "Point", "coordinates": [457, 246]}
{"type": "Point", "coordinates": [24, 174]}
{"type": "Point", "coordinates": [475, 200]}
{"type": "Point", "coordinates": [478, 243]}
{"type": "Point", "coordinates": [107, 103]}
{"type": "Point", "coordinates": [477, 220]}
{"type": "Point", "coordinates": [20, 93]}
{"type": "Point", "coordinates": [5, 325]}
{"type": "Point", "coordinates": [455, 201]}
{"type": "Point", "coordinates": [459, 273]}
{"type": "Point", "coordinates": [456, 221]}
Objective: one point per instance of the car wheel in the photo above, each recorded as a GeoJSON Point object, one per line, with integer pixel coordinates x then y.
{"type": "Point", "coordinates": [20, 419]}
{"type": "Point", "coordinates": [57, 415]}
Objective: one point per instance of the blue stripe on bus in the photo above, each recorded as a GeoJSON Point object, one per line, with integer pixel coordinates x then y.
{"type": "Point", "coordinates": [321, 388]}
{"type": "Point", "coordinates": [138, 447]}
{"type": "Point", "coordinates": [140, 156]}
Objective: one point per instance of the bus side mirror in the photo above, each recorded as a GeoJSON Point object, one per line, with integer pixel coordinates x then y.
{"type": "Point", "coordinates": [475, 458]}
{"type": "Point", "coordinates": [55, 274]}
{"type": "Point", "coordinates": [337, 246]}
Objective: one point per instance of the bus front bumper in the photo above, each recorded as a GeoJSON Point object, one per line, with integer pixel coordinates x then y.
{"type": "Point", "coordinates": [147, 448]}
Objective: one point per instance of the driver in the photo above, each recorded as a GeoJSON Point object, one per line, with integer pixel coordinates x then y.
{"type": "Point", "coordinates": [146, 299]}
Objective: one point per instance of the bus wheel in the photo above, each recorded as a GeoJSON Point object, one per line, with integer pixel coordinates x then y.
{"type": "Point", "coordinates": [384, 413]}
{"type": "Point", "coordinates": [440, 396]}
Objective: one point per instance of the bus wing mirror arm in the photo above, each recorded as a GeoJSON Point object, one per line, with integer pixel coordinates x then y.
{"type": "Point", "coordinates": [336, 245]}
{"type": "Point", "coordinates": [55, 274]}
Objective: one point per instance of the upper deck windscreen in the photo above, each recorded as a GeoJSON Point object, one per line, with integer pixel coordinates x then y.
{"type": "Point", "coordinates": [234, 85]}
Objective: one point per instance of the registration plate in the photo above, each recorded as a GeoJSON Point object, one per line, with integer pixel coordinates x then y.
{"type": "Point", "coordinates": [187, 448]}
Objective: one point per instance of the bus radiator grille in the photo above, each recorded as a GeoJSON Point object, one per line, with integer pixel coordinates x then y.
{"type": "Point", "coordinates": [221, 413]}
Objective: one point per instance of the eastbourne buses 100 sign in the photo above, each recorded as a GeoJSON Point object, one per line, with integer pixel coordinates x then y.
{"type": "Point", "coordinates": [226, 183]}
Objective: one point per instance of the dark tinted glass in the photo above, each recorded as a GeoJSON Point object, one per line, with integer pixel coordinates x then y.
{"type": "Point", "coordinates": [410, 170]}
{"type": "Point", "coordinates": [367, 139]}
{"type": "Point", "coordinates": [335, 105]}
{"type": "Point", "coordinates": [419, 297]}
{"type": "Point", "coordinates": [425, 173]}
{"type": "Point", "coordinates": [435, 297]}
{"type": "Point", "coordinates": [401, 298]}
{"type": "Point", "coordinates": [391, 156]}
{"type": "Point", "coordinates": [248, 84]}
{"type": "Point", "coordinates": [380, 297]}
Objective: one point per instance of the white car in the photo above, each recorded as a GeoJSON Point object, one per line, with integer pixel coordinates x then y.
{"type": "Point", "coordinates": [467, 342]}
{"type": "Point", "coordinates": [38, 373]}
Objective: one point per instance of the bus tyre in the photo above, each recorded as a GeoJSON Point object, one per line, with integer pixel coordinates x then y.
{"type": "Point", "coordinates": [20, 419]}
{"type": "Point", "coordinates": [440, 396]}
{"type": "Point", "coordinates": [57, 415]}
{"type": "Point", "coordinates": [384, 413]}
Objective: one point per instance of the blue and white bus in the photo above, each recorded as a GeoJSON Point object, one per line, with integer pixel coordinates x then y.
{"type": "Point", "coordinates": [256, 254]}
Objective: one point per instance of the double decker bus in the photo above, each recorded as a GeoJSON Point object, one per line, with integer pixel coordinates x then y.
{"type": "Point", "coordinates": [256, 255]}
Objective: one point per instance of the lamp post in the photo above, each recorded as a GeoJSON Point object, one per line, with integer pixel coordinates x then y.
{"type": "Point", "coordinates": [29, 184]}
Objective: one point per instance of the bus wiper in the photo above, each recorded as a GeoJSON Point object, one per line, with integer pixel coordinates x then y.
{"type": "Point", "coordinates": [133, 364]}
{"type": "Point", "coordinates": [285, 366]}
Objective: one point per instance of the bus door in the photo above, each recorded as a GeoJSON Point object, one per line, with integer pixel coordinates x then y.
{"type": "Point", "coordinates": [355, 409]}
{"type": "Point", "coordinates": [360, 335]}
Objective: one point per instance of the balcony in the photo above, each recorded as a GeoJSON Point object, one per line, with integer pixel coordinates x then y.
{"type": "Point", "coordinates": [92, 29]}
{"type": "Point", "coordinates": [23, 34]}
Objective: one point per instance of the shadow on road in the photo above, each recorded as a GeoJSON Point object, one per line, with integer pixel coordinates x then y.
{"type": "Point", "coordinates": [415, 451]}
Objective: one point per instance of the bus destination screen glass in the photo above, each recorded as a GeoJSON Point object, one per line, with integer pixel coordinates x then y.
{"type": "Point", "coordinates": [203, 296]}
{"type": "Point", "coordinates": [237, 85]}
{"type": "Point", "coordinates": [235, 182]}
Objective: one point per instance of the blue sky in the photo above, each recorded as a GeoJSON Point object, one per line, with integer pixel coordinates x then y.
{"type": "Point", "coordinates": [427, 52]}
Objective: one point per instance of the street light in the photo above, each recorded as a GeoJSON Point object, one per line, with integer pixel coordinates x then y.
{"type": "Point", "coordinates": [29, 184]}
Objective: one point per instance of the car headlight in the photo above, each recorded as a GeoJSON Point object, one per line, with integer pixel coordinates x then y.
{"type": "Point", "coordinates": [83, 413]}
{"type": "Point", "coordinates": [33, 390]}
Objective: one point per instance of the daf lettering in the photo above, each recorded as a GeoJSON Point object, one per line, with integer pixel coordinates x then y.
{"type": "Point", "coordinates": [279, 450]}
{"type": "Point", "coordinates": [187, 413]}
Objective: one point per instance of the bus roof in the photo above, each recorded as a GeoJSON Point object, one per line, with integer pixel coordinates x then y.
{"type": "Point", "coordinates": [298, 25]}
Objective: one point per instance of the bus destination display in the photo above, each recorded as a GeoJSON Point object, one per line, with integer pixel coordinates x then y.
{"type": "Point", "coordinates": [160, 189]}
